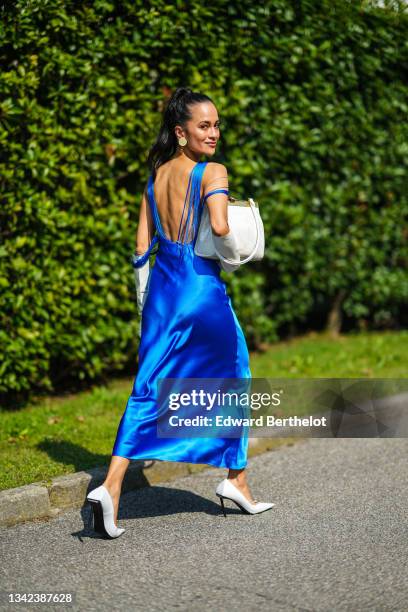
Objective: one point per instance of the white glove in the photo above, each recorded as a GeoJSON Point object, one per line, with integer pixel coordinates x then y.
{"type": "Point", "coordinates": [142, 281]}
{"type": "Point", "coordinates": [227, 246]}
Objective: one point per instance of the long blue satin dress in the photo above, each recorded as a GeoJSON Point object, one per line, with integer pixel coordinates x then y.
{"type": "Point", "coordinates": [188, 330]}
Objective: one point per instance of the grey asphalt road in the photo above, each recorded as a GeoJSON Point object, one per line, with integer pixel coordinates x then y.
{"type": "Point", "coordinates": [336, 540]}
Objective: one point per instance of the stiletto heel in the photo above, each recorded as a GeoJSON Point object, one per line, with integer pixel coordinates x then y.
{"type": "Point", "coordinates": [222, 505]}
{"type": "Point", "coordinates": [226, 490]}
{"type": "Point", "coordinates": [102, 511]}
{"type": "Point", "coordinates": [90, 516]}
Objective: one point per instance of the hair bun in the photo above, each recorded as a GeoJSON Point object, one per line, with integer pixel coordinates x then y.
{"type": "Point", "coordinates": [181, 92]}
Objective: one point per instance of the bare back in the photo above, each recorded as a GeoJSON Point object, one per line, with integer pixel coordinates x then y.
{"type": "Point", "coordinates": [172, 189]}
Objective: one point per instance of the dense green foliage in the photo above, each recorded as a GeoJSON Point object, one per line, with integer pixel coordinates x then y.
{"type": "Point", "coordinates": [312, 98]}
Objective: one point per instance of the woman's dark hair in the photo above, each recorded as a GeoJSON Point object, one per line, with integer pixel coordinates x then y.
{"type": "Point", "coordinates": [177, 112]}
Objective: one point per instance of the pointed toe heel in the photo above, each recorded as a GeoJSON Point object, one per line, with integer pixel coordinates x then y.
{"type": "Point", "coordinates": [226, 490]}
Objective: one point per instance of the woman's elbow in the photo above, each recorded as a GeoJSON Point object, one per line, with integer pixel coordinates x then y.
{"type": "Point", "coordinates": [220, 229]}
{"type": "Point", "coordinates": [141, 247]}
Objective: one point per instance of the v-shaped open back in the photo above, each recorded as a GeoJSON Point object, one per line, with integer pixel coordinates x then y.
{"type": "Point", "coordinates": [181, 220]}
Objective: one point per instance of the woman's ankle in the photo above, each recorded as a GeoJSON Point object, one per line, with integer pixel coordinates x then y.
{"type": "Point", "coordinates": [238, 476]}
{"type": "Point", "coordinates": [114, 488]}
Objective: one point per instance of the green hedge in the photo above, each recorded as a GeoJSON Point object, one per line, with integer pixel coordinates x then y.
{"type": "Point", "coordinates": [313, 99]}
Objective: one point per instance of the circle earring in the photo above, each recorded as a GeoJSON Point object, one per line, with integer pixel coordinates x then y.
{"type": "Point", "coordinates": [182, 141]}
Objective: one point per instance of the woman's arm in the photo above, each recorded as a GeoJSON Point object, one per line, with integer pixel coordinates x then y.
{"type": "Point", "coordinates": [146, 226]}
{"type": "Point", "coordinates": [217, 204]}
{"type": "Point", "coordinates": [216, 177]}
{"type": "Point", "coordinates": [145, 232]}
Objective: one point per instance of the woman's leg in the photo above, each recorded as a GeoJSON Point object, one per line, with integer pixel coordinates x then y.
{"type": "Point", "coordinates": [114, 479]}
{"type": "Point", "coordinates": [238, 478]}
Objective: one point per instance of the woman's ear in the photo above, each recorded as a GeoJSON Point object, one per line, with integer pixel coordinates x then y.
{"type": "Point", "coordinates": [179, 132]}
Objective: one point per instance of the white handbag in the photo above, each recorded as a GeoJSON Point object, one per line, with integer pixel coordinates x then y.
{"type": "Point", "coordinates": [245, 224]}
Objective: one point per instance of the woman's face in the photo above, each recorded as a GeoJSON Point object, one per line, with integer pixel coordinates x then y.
{"type": "Point", "coordinates": [202, 131]}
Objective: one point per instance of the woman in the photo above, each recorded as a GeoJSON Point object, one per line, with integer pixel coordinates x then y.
{"type": "Point", "coordinates": [188, 326]}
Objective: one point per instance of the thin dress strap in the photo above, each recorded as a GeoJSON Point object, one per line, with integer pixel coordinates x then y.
{"type": "Point", "coordinates": [153, 207]}
{"type": "Point", "coordinates": [207, 195]}
{"type": "Point", "coordinates": [184, 207]}
{"type": "Point", "coordinates": [139, 260]}
{"type": "Point", "coordinates": [188, 229]}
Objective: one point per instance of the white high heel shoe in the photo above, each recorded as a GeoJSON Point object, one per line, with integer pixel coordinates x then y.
{"type": "Point", "coordinates": [102, 510]}
{"type": "Point", "coordinates": [226, 490]}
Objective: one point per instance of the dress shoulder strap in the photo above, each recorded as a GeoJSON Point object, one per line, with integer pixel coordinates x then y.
{"type": "Point", "coordinates": [181, 225]}
{"type": "Point", "coordinates": [188, 229]}
{"type": "Point", "coordinates": [210, 193]}
{"type": "Point", "coordinates": [153, 206]}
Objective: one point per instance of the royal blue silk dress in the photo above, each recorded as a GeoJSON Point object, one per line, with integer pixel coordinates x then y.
{"type": "Point", "coordinates": [188, 330]}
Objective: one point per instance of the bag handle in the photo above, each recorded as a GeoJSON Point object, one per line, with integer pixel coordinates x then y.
{"type": "Point", "coordinates": [250, 256]}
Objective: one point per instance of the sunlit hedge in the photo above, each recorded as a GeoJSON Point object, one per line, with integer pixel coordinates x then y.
{"type": "Point", "coordinates": [313, 101]}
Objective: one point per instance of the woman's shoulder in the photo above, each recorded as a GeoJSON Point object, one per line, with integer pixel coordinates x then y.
{"type": "Point", "coordinates": [212, 167]}
{"type": "Point", "coordinates": [214, 171]}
